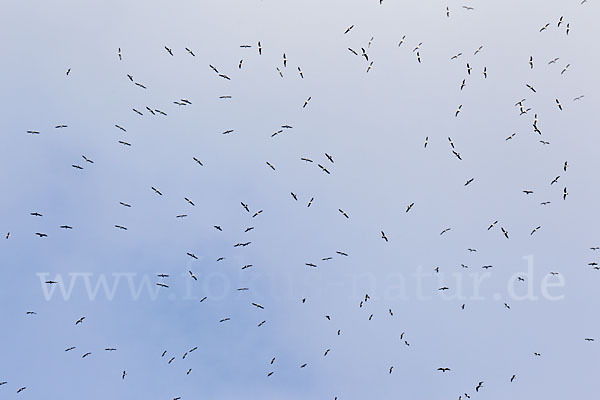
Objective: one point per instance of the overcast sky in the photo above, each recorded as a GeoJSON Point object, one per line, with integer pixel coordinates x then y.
{"type": "Point", "coordinates": [374, 125]}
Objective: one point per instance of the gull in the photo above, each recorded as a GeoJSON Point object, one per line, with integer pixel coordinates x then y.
{"type": "Point", "coordinates": [409, 206]}
{"type": "Point", "coordinates": [330, 158]}
{"type": "Point", "coordinates": [310, 201]}
{"type": "Point", "coordinates": [31, 313]}
{"type": "Point", "coordinates": [66, 227]}
{"type": "Point", "coordinates": [193, 276]}
{"type": "Point", "coordinates": [352, 51]}
{"type": "Point", "coordinates": [383, 236]}
{"type": "Point", "coordinates": [451, 142]}
{"type": "Point", "coordinates": [306, 159]}
{"type": "Point", "coordinates": [140, 85]}
{"type": "Point", "coordinates": [444, 369]}
{"type": "Point", "coordinates": [418, 57]}
{"type": "Point", "coordinates": [86, 354]}
{"type": "Point", "coordinates": [41, 234]}
{"type": "Point", "coordinates": [87, 159]}
{"type": "Point", "coordinates": [300, 72]}
{"type": "Point", "coordinates": [121, 128]}
{"type": "Point", "coordinates": [507, 306]}
{"type": "Point", "coordinates": [124, 143]}
{"type": "Point", "coordinates": [192, 255]}
{"type": "Point", "coordinates": [478, 50]}
{"type": "Point", "coordinates": [589, 339]}
{"type": "Point", "coordinates": [558, 104]}
{"type": "Point", "coordinates": [110, 349]}
{"type": "Point", "coordinates": [545, 27]}
{"type": "Point", "coordinates": [468, 8]}
{"type": "Point", "coordinates": [68, 71]}
{"type": "Point", "coordinates": [162, 285]}
{"type": "Point", "coordinates": [171, 360]}
{"type": "Point", "coordinates": [426, 141]}
{"type": "Point", "coordinates": [240, 64]}
{"type": "Point", "coordinates": [190, 51]}
{"type": "Point", "coordinates": [151, 111]}
{"type": "Point", "coordinates": [370, 65]}
{"type": "Point", "coordinates": [169, 50]}
{"type": "Point", "coordinates": [530, 87]}
{"type": "Point", "coordinates": [51, 282]}
{"type": "Point", "coordinates": [447, 12]}
{"type": "Point", "coordinates": [156, 190]}
{"type": "Point", "coordinates": [60, 126]}
{"type": "Point", "coordinates": [76, 166]}
{"type": "Point", "coordinates": [224, 319]}
{"type": "Point", "coordinates": [462, 85]}
{"type": "Point", "coordinates": [294, 196]}
{"type": "Point", "coordinates": [36, 214]}
{"type": "Point", "coordinates": [227, 131]}
{"type": "Point", "coordinates": [119, 54]}
{"type": "Point", "coordinates": [458, 110]}
{"type": "Point", "coordinates": [528, 191]}
{"type": "Point", "coordinates": [258, 306]}
{"type": "Point", "coordinates": [248, 229]}
{"type": "Point", "coordinates": [306, 102]}
{"type": "Point", "coordinates": [565, 193]}
{"type": "Point", "coordinates": [454, 57]}
{"type": "Point", "coordinates": [311, 265]}
{"type": "Point", "coordinates": [511, 136]}
{"type": "Point", "coordinates": [553, 61]}
{"type": "Point", "coordinates": [479, 386]}
{"type": "Point", "coordinates": [34, 132]}
{"type": "Point", "coordinates": [531, 62]}
{"type": "Point", "coordinates": [364, 54]}
{"type": "Point", "coordinates": [565, 69]}
{"type": "Point", "coordinates": [163, 275]}
{"type": "Point", "coordinates": [492, 225]}
{"type": "Point", "coordinates": [349, 29]}
{"type": "Point", "coordinates": [189, 201]}
{"type": "Point", "coordinates": [70, 348]}
{"type": "Point", "coordinates": [256, 213]}
{"type": "Point", "coordinates": [21, 389]}
{"type": "Point", "coordinates": [343, 213]}
{"type": "Point", "coordinates": [198, 161]}
{"type": "Point", "coordinates": [505, 232]}
{"type": "Point", "coordinates": [457, 155]}
{"type": "Point", "coordinates": [469, 181]}
{"type": "Point", "coordinates": [578, 97]}
{"type": "Point", "coordinates": [444, 231]}
{"type": "Point", "coordinates": [468, 69]}
{"type": "Point", "coordinates": [555, 180]}
{"type": "Point", "coordinates": [341, 253]}
{"type": "Point", "coordinates": [417, 47]}
{"type": "Point", "coordinates": [401, 41]}
{"type": "Point", "coordinates": [284, 60]}
{"type": "Point", "coordinates": [123, 375]}
{"type": "Point", "coordinates": [487, 266]}
{"type": "Point", "coordinates": [568, 29]}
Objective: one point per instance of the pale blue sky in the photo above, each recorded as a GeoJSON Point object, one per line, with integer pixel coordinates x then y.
{"type": "Point", "coordinates": [374, 126]}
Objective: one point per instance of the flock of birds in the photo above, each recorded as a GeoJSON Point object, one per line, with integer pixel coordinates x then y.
{"type": "Point", "coordinates": [325, 164]}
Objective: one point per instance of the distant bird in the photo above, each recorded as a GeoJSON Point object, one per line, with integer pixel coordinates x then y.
{"type": "Point", "coordinates": [343, 213]}
{"type": "Point", "coordinates": [169, 50]}
{"type": "Point", "coordinates": [458, 110]}
{"type": "Point", "coordinates": [505, 232]}
{"type": "Point", "coordinates": [512, 378]}
{"type": "Point", "coordinates": [86, 354]}
{"type": "Point", "coordinates": [444, 231]}
{"type": "Point", "coordinates": [383, 236]}
{"type": "Point", "coordinates": [348, 29]}
{"type": "Point", "coordinates": [444, 369]}
{"type": "Point", "coordinates": [479, 386]}
{"type": "Point", "coordinates": [79, 321]}
{"type": "Point", "coordinates": [123, 375]}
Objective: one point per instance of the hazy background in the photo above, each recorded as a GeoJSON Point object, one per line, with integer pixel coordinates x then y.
{"type": "Point", "coordinates": [374, 126]}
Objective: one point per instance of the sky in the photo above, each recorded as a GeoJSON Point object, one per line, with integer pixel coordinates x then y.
{"type": "Point", "coordinates": [390, 129]}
